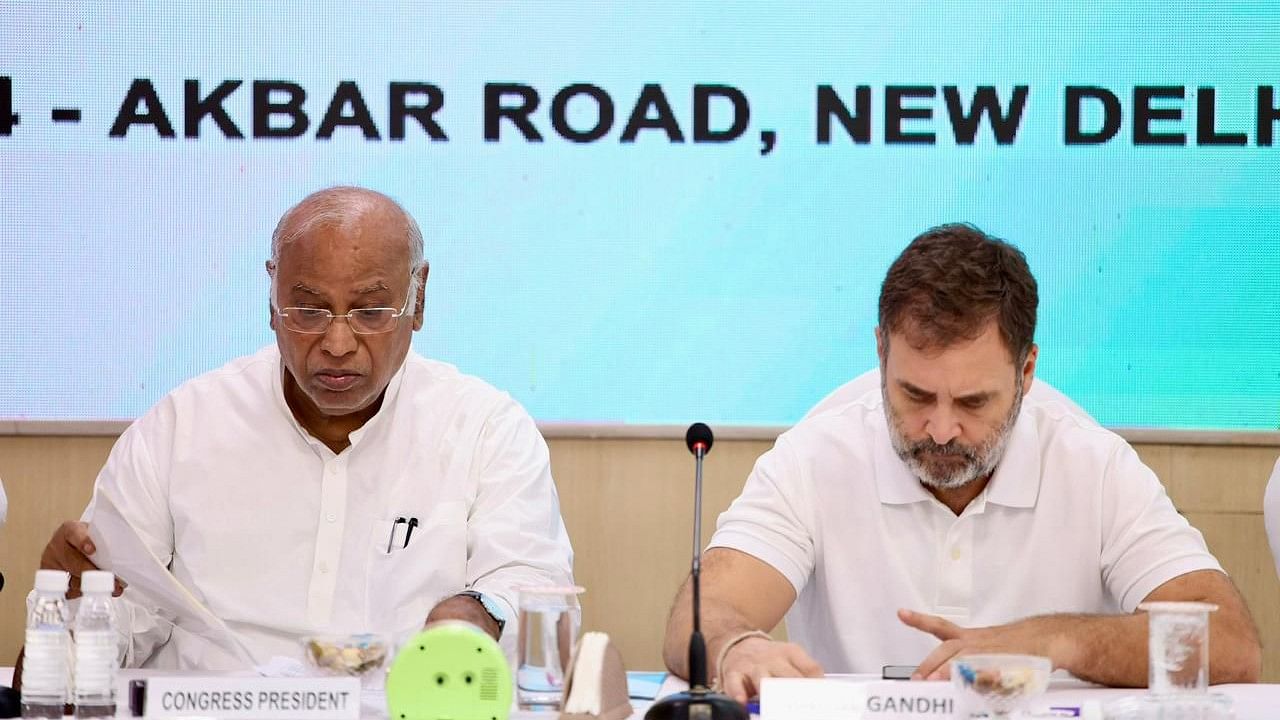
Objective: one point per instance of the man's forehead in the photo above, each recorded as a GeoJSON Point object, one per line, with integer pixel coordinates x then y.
{"type": "Point", "coordinates": [963, 368]}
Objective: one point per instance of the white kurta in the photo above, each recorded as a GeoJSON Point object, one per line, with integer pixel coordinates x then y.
{"type": "Point", "coordinates": [1072, 521]}
{"type": "Point", "coordinates": [281, 538]}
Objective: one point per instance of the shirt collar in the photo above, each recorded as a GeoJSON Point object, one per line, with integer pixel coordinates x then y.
{"type": "Point", "coordinates": [388, 399]}
{"type": "Point", "coordinates": [1015, 483]}
{"type": "Point", "coordinates": [895, 483]}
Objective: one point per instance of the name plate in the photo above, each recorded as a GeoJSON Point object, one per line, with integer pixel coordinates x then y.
{"type": "Point", "coordinates": [252, 697]}
{"type": "Point", "coordinates": [838, 699]}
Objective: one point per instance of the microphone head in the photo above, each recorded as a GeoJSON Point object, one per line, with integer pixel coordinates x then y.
{"type": "Point", "coordinates": [698, 435]}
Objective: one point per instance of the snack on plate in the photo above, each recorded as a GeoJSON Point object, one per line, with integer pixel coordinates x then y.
{"type": "Point", "coordinates": [1001, 684]}
{"type": "Point", "coordinates": [352, 655]}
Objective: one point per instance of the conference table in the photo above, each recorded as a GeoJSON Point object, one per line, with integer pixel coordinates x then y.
{"type": "Point", "coordinates": [1259, 701]}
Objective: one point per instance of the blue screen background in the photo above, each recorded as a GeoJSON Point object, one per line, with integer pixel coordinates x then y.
{"type": "Point", "coordinates": [649, 282]}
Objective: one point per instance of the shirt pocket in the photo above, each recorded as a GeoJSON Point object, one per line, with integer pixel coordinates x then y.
{"type": "Point", "coordinates": [405, 583]}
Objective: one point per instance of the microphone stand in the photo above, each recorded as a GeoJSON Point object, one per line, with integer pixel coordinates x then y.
{"type": "Point", "coordinates": [699, 702]}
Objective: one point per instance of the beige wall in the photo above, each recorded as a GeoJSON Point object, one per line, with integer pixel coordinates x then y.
{"type": "Point", "coordinates": [627, 503]}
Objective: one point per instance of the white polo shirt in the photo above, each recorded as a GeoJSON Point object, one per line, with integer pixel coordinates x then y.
{"type": "Point", "coordinates": [1072, 521]}
{"type": "Point", "coordinates": [280, 537]}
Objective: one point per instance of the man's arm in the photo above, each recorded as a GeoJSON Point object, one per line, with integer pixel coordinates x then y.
{"type": "Point", "coordinates": [740, 593]}
{"type": "Point", "coordinates": [515, 535]}
{"type": "Point", "coordinates": [1107, 649]}
{"type": "Point", "coordinates": [133, 484]}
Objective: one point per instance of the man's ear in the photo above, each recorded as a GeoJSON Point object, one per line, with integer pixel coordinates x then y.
{"type": "Point", "coordinates": [271, 301]}
{"type": "Point", "coordinates": [882, 347]}
{"type": "Point", "coordinates": [1029, 368]}
{"type": "Point", "coordinates": [420, 302]}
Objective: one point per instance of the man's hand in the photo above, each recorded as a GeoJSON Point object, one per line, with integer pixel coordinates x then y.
{"type": "Point", "coordinates": [1034, 636]}
{"type": "Point", "coordinates": [467, 609]}
{"type": "Point", "coordinates": [69, 549]}
{"type": "Point", "coordinates": [756, 658]}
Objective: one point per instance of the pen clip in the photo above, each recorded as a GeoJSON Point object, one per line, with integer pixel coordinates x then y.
{"type": "Point", "coordinates": [392, 538]}
{"type": "Point", "coordinates": [413, 523]}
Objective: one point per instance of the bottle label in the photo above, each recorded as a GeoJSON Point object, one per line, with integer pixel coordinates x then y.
{"type": "Point", "coordinates": [95, 662]}
{"type": "Point", "coordinates": [44, 665]}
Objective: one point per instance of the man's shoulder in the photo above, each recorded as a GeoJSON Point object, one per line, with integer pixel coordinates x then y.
{"type": "Point", "coordinates": [248, 372]}
{"type": "Point", "coordinates": [254, 373]}
{"type": "Point", "coordinates": [241, 387]}
{"type": "Point", "coordinates": [1066, 429]}
{"type": "Point", "coordinates": [430, 381]}
{"type": "Point", "coordinates": [849, 428]}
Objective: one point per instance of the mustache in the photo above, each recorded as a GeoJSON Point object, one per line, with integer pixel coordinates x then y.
{"type": "Point", "coordinates": [927, 445]}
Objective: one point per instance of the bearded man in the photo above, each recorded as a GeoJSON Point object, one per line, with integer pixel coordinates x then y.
{"type": "Point", "coordinates": [947, 509]}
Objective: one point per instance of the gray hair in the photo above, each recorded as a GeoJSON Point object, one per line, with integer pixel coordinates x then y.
{"type": "Point", "coordinates": [335, 207]}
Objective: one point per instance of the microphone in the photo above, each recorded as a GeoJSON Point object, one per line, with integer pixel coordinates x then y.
{"type": "Point", "coordinates": [698, 439]}
{"type": "Point", "coordinates": [698, 701]}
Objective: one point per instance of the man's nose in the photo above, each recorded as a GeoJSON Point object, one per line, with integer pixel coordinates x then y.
{"type": "Point", "coordinates": [942, 425]}
{"type": "Point", "coordinates": [339, 339]}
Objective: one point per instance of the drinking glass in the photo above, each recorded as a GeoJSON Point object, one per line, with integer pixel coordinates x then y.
{"type": "Point", "coordinates": [550, 618]}
{"type": "Point", "coordinates": [1178, 647]}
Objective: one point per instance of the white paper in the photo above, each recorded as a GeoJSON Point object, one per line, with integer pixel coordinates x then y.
{"type": "Point", "coordinates": [120, 549]}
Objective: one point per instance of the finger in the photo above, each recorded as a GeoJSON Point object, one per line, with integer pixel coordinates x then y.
{"type": "Point", "coordinates": [804, 665]}
{"type": "Point", "coordinates": [940, 628]}
{"type": "Point", "coordinates": [940, 656]}
{"type": "Point", "coordinates": [782, 668]}
{"type": "Point", "coordinates": [78, 537]}
{"type": "Point", "coordinates": [735, 686]}
{"type": "Point", "coordinates": [753, 681]}
{"type": "Point", "coordinates": [944, 672]}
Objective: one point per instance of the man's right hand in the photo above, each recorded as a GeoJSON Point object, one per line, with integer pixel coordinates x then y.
{"type": "Point", "coordinates": [756, 658]}
{"type": "Point", "coordinates": [69, 549]}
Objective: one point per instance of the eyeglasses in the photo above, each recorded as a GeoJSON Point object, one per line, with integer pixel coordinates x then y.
{"type": "Point", "coordinates": [363, 321]}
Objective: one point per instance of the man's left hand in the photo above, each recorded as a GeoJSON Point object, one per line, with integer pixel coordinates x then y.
{"type": "Point", "coordinates": [1029, 637]}
{"type": "Point", "coordinates": [467, 609]}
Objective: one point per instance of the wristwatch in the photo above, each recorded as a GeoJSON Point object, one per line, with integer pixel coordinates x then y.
{"type": "Point", "coordinates": [492, 608]}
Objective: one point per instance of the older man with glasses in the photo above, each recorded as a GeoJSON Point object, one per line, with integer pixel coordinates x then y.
{"type": "Point", "coordinates": [334, 482]}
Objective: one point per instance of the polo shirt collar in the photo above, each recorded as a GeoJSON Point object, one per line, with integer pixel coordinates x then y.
{"type": "Point", "coordinates": [895, 483]}
{"type": "Point", "coordinates": [1015, 483]}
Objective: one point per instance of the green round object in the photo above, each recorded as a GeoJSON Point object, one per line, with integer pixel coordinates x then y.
{"type": "Point", "coordinates": [449, 672]}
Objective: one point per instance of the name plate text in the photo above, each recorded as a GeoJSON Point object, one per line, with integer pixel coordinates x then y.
{"type": "Point", "coordinates": [252, 697]}
{"type": "Point", "coordinates": [844, 699]}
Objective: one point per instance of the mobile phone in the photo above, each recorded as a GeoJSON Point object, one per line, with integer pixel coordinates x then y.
{"type": "Point", "coordinates": [898, 672]}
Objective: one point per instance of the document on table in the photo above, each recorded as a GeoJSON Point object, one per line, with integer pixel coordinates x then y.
{"type": "Point", "coordinates": [121, 550]}
{"type": "Point", "coordinates": [644, 685]}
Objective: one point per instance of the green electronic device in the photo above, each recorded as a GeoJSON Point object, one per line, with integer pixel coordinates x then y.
{"type": "Point", "coordinates": [450, 671]}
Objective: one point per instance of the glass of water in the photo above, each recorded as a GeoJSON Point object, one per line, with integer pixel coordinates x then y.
{"type": "Point", "coordinates": [1179, 648]}
{"type": "Point", "coordinates": [550, 618]}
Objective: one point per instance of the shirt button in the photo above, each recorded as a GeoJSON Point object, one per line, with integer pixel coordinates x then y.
{"type": "Point", "coordinates": [955, 553]}
{"type": "Point", "coordinates": [331, 517]}
{"type": "Point", "coordinates": [324, 568]}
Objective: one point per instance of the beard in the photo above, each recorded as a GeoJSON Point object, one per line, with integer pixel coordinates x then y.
{"type": "Point", "coordinates": [954, 465]}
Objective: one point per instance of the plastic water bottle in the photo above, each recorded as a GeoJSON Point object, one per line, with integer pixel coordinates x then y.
{"type": "Point", "coordinates": [46, 660]}
{"type": "Point", "coordinates": [97, 647]}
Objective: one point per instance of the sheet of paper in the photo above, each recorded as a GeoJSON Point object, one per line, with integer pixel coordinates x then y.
{"type": "Point", "coordinates": [121, 550]}
{"type": "Point", "coordinates": [644, 685]}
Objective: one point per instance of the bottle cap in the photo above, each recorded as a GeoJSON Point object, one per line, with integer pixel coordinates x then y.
{"type": "Point", "coordinates": [97, 581]}
{"type": "Point", "coordinates": [52, 581]}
